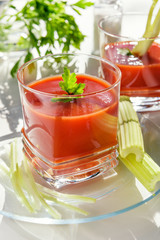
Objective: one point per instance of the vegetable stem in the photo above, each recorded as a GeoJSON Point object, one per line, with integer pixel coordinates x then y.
{"type": "Point", "coordinates": [31, 194]}
{"type": "Point", "coordinates": [52, 211]}
{"type": "Point", "coordinates": [131, 146]}
{"type": "Point", "coordinates": [151, 32]}
{"type": "Point", "coordinates": [146, 171]}
{"type": "Point", "coordinates": [15, 178]}
{"type": "Point", "coordinates": [129, 131]}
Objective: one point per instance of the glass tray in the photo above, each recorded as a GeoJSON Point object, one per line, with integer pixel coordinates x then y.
{"type": "Point", "coordinates": [117, 191]}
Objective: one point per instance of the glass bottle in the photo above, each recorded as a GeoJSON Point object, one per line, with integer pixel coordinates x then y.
{"type": "Point", "coordinates": [103, 8]}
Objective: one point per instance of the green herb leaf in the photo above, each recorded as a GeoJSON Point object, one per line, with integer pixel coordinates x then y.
{"type": "Point", "coordinates": [125, 51]}
{"type": "Point", "coordinates": [15, 68]}
{"type": "Point", "coordinates": [69, 84]}
{"type": "Point", "coordinates": [83, 4]}
{"type": "Point", "coordinates": [28, 57]}
{"type": "Point", "coordinates": [64, 99]}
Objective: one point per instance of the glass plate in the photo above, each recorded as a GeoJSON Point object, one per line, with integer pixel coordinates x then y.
{"type": "Point", "coordinates": [116, 192]}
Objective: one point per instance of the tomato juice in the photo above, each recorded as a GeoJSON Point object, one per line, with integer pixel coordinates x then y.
{"type": "Point", "coordinates": [140, 76]}
{"type": "Point", "coordinates": [64, 131]}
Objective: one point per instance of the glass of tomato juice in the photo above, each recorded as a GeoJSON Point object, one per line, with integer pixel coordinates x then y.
{"type": "Point", "coordinates": [140, 75]}
{"type": "Point", "coordinates": [70, 138]}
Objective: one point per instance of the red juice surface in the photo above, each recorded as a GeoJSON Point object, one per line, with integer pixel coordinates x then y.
{"type": "Point", "coordinates": [140, 76]}
{"type": "Point", "coordinates": [63, 131]}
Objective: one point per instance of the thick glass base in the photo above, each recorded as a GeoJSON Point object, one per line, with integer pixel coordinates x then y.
{"type": "Point", "coordinates": [146, 104]}
{"type": "Point", "coordinates": [74, 171]}
{"type": "Point", "coordinates": [79, 177]}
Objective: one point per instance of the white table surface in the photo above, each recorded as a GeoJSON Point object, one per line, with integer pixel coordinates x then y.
{"type": "Point", "coordinates": [142, 223]}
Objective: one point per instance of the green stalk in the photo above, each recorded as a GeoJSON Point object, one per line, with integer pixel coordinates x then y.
{"type": "Point", "coordinates": [152, 30]}
{"type": "Point", "coordinates": [65, 196]}
{"type": "Point", "coordinates": [44, 196]}
{"type": "Point", "coordinates": [18, 183]}
{"type": "Point", "coordinates": [146, 171]}
{"type": "Point", "coordinates": [64, 204]}
{"type": "Point", "coordinates": [52, 211]}
{"type": "Point", "coordinates": [129, 132]}
{"type": "Point", "coordinates": [33, 195]}
{"type": "Point", "coordinates": [131, 147]}
{"type": "Point", "coordinates": [15, 177]}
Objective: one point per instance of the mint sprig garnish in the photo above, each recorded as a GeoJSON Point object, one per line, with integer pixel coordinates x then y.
{"type": "Point", "coordinates": [70, 86]}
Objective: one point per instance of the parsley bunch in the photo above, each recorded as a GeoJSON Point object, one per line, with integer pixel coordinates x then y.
{"type": "Point", "coordinates": [47, 26]}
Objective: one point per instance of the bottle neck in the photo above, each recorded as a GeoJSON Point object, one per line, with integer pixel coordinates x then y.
{"type": "Point", "coordinates": [108, 1]}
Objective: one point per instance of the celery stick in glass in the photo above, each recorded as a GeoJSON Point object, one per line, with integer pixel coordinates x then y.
{"type": "Point", "coordinates": [152, 30]}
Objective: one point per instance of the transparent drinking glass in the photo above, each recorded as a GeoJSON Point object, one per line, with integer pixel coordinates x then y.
{"type": "Point", "coordinates": [140, 75]}
{"type": "Point", "coordinates": [70, 138]}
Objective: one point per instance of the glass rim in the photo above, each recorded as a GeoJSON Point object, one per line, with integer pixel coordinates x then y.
{"type": "Point", "coordinates": [102, 20]}
{"type": "Point", "coordinates": [98, 58]}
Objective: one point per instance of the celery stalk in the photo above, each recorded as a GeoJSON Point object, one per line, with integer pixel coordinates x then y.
{"type": "Point", "coordinates": [52, 211]}
{"type": "Point", "coordinates": [65, 196]}
{"type": "Point", "coordinates": [64, 204]}
{"type": "Point", "coordinates": [44, 196]}
{"type": "Point", "coordinates": [152, 30]}
{"type": "Point", "coordinates": [146, 171]}
{"type": "Point", "coordinates": [131, 147]}
{"type": "Point", "coordinates": [129, 132]}
{"type": "Point", "coordinates": [15, 177]}
{"type": "Point", "coordinates": [33, 195]}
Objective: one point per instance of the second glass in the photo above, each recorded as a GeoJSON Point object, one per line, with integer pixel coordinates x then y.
{"type": "Point", "coordinates": [140, 75]}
